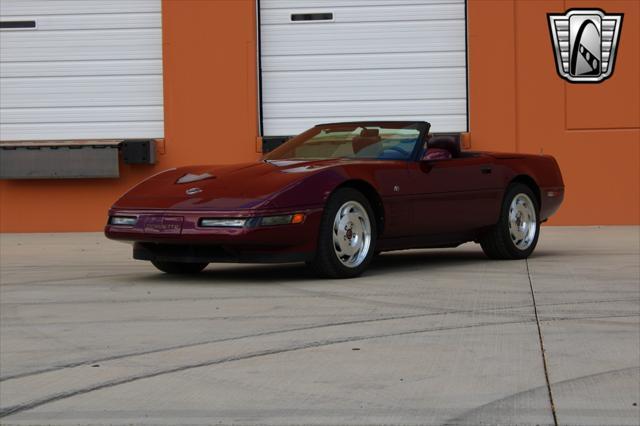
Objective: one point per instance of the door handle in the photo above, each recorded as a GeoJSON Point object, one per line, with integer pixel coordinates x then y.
{"type": "Point", "coordinates": [485, 170]}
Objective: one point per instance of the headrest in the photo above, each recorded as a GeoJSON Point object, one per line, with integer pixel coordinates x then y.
{"type": "Point", "coordinates": [369, 133]}
{"type": "Point", "coordinates": [445, 142]}
{"type": "Point", "coordinates": [367, 138]}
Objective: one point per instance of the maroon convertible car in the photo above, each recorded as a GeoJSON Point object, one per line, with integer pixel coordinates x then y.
{"type": "Point", "coordinates": [335, 196]}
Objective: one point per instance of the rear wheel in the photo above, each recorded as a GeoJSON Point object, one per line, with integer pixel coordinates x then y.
{"type": "Point", "coordinates": [347, 236]}
{"type": "Point", "coordinates": [179, 267]}
{"type": "Point", "coordinates": [516, 234]}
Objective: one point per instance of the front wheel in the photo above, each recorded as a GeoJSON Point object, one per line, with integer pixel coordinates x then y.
{"type": "Point", "coordinates": [179, 267]}
{"type": "Point", "coordinates": [347, 235]}
{"type": "Point", "coordinates": [516, 234]}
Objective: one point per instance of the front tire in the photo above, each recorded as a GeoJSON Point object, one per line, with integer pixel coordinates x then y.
{"type": "Point", "coordinates": [515, 236]}
{"type": "Point", "coordinates": [347, 236]}
{"type": "Point", "coordinates": [179, 268]}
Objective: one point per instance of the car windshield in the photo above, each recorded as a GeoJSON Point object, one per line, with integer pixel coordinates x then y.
{"type": "Point", "coordinates": [379, 141]}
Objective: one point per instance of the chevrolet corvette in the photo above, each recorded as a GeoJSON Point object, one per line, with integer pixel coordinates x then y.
{"type": "Point", "coordinates": [337, 195]}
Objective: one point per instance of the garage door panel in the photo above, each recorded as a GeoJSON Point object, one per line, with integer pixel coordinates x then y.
{"type": "Point", "coordinates": [82, 91]}
{"type": "Point", "coordinates": [363, 38]}
{"type": "Point", "coordinates": [71, 131]}
{"type": "Point", "coordinates": [387, 13]}
{"type": "Point", "coordinates": [367, 60]}
{"type": "Point", "coordinates": [79, 68]}
{"type": "Point", "coordinates": [90, 69]}
{"type": "Point", "coordinates": [366, 108]}
{"type": "Point", "coordinates": [365, 85]}
{"type": "Point", "coordinates": [81, 114]}
{"type": "Point", "coordinates": [297, 4]}
{"type": "Point", "coordinates": [64, 7]}
{"type": "Point", "coordinates": [439, 123]}
{"type": "Point", "coordinates": [374, 59]}
{"type": "Point", "coordinates": [92, 22]}
{"type": "Point", "coordinates": [73, 45]}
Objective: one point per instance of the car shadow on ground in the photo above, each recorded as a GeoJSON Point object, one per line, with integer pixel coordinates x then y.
{"type": "Point", "coordinates": [386, 264]}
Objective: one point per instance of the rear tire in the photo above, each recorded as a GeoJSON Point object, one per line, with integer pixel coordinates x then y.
{"type": "Point", "coordinates": [347, 236]}
{"type": "Point", "coordinates": [515, 236]}
{"type": "Point", "coordinates": [179, 267]}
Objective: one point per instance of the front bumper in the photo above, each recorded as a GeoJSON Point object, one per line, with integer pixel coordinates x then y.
{"type": "Point", "coordinates": [177, 236]}
{"type": "Point", "coordinates": [199, 253]}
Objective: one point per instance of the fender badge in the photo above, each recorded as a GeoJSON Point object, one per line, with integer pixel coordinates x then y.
{"type": "Point", "coordinates": [193, 191]}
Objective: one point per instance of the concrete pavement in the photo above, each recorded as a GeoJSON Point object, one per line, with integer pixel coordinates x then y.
{"type": "Point", "coordinates": [89, 336]}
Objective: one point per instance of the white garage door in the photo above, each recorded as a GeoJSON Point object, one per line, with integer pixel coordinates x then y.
{"type": "Point", "coordinates": [335, 60]}
{"type": "Point", "coordinates": [89, 69]}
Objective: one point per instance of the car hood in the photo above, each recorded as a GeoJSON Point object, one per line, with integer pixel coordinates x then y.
{"type": "Point", "coordinates": [231, 187]}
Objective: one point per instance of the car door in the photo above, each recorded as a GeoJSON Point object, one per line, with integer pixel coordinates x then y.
{"type": "Point", "coordinates": [454, 195]}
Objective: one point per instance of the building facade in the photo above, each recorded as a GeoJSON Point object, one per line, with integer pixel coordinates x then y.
{"type": "Point", "coordinates": [217, 81]}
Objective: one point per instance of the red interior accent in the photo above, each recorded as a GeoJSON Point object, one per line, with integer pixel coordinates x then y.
{"type": "Point", "coordinates": [437, 154]}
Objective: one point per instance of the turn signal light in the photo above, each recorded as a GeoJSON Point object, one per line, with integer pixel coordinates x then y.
{"type": "Point", "coordinates": [282, 220]}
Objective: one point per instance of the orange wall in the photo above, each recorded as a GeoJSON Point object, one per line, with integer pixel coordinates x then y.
{"type": "Point", "coordinates": [517, 103]}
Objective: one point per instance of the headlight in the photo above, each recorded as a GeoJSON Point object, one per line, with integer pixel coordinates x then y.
{"type": "Point", "coordinates": [222, 223]}
{"type": "Point", "coordinates": [282, 220]}
{"type": "Point", "coordinates": [123, 220]}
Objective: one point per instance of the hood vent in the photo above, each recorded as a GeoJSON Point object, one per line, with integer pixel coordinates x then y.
{"type": "Point", "coordinates": [190, 177]}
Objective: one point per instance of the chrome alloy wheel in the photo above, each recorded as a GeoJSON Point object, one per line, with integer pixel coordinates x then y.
{"type": "Point", "coordinates": [351, 234]}
{"type": "Point", "coordinates": [523, 223]}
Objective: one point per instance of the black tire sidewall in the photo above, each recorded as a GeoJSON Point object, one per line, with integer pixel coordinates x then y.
{"type": "Point", "coordinates": [327, 261]}
{"type": "Point", "coordinates": [512, 192]}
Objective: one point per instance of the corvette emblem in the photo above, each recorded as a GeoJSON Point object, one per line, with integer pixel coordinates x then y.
{"type": "Point", "coordinates": [193, 191]}
{"type": "Point", "coordinates": [585, 43]}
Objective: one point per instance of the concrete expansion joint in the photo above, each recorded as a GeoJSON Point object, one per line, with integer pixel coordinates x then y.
{"type": "Point", "coordinates": [542, 350]}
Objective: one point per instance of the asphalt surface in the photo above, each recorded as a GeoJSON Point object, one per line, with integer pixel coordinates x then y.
{"type": "Point", "coordinates": [89, 336]}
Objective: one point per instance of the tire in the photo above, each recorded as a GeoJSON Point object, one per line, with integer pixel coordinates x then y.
{"type": "Point", "coordinates": [179, 267]}
{"type": "Point", "coordinates": [499, 242]}
{"type": "Point", "coordinates": [346, 250]}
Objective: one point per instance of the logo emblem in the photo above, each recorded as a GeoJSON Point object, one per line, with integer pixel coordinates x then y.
{"type": "Point", "coordinates": [193, 191]}
{"type": "Point", "coordinates": [585, 43]}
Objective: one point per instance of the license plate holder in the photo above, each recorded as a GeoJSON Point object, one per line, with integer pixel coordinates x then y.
{"type": "Point", "coordinates": [163, 225]}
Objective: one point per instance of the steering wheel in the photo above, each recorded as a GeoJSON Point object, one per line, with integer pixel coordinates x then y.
{"type": "Point", "coordinates": [397, 149]}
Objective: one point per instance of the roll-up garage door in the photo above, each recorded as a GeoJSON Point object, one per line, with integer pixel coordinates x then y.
{"type": "Point", "coordinates": [89, 69]}
{"type": "Point", "coordinates": [336, 60]}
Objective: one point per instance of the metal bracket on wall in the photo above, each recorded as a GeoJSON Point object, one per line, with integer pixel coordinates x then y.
{"type": "Point", "coordinates": [72, 159]}
{"type": "Point", "coordinates": [138, 151]}
{"type": "Point", "coordinates": [48, 160]}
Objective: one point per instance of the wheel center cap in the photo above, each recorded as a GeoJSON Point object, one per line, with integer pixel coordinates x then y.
{"type": "Point", "coordinates": [349, 234]}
